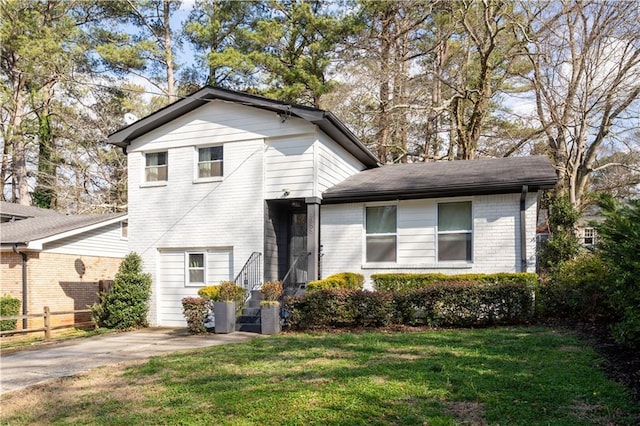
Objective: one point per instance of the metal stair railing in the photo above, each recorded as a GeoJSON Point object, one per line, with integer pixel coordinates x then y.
{"type": "Point", "coordinates": [250, 276]}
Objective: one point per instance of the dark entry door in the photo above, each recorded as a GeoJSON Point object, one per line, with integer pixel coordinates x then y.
{"type": "Point", "coordinates": [298, 246]}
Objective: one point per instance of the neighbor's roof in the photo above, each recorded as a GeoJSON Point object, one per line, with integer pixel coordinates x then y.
{"type": "Point", "coordinates": [18, 211]}
{"type": "Point", "coordinates": [34, 224]}
{"type": "Point", "coordinates": [445, 179]}
{"type": "Point", "coordinates": [325, 120]}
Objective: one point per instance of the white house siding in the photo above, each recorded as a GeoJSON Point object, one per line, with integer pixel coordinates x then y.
{"type": "Point", "coordinates": [182, 215]}
{"type": "Point", "coordinates": [289, 165]}
{"type": "Point", "coordinates": [335, 164]}
{"type": "Point", "coordinates": [105, 241]}
{"type": "Point", "coordinates": [171, 275]}
{"type": "Point", "coordinates": [220, 122]}
{"type": "Point", "coordinates": [496, 236]}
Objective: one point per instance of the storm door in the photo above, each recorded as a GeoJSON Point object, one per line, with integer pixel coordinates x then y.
{"type": "Point", "coordinates": [298, 246]}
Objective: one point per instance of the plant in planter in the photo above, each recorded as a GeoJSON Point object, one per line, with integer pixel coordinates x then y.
{"type": "Point", "coordinates": [270, 307]}
{"type": "Point", "coordinates": [225, 308]}
{"type": "Point", "coordinates": [211, 294]}
{"type": "Point", "coordinates": [195, 312]}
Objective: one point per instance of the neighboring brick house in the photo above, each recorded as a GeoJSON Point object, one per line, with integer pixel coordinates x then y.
{"type": "Point", "coordinates": [220, 177]}
{"type": "Point", "coordinates": [59, 259]}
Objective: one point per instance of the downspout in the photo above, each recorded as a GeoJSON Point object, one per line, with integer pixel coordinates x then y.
{"type": "Point", "coordinates": [25, 298]}
{"type": "Point", "coordinates": [523, 229]}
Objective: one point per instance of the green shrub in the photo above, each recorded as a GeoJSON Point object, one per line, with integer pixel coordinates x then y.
{"type": "Point", "coordinates": [343, 280]}
{"type": "Point", "coordinates": [619, 248]}
{"type": "Point", "coordinates": [405, 282]}
{"type": "Point", "coordinates": [9, 306]}
{"type": "Point", "coordinates": [453, 303]}
{"type": "Point", "coordinates": [127, 304]}
{"type": "Point", "coordinates": [470, 304]}
{"type": "Point", "coordinates": [335, 308]}
{"type": "Point", "coordinates": [195, 311]}
{"type": "Point", "coordinates": [563, 244]}
{"type": "Point", "coordinates": [210, 292]}
{"type": "Point", "coordinates": [576, 289]}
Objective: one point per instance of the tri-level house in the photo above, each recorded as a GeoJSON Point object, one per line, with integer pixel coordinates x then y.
{"type": "Point", "coordinates": [225, 185]}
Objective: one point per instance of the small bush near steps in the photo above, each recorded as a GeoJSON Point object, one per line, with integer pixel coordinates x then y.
{"type": "Point", "coordinates": [195, 310]}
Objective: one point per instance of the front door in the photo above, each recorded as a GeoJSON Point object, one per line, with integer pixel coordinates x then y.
{"type": "Point", "coordinates": [298, 246]}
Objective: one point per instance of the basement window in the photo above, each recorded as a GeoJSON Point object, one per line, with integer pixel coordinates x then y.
{"type": "Point", "coordinates": [195, 270]}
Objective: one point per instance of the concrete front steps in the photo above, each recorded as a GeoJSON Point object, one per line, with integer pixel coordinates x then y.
{"type": "Point", "coordinates": [249, 319]}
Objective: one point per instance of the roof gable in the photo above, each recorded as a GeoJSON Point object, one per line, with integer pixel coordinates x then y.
{"type": "Point", "coordinates": [445, 179]}
{"type": "Point", "coordinates": [325, 120]}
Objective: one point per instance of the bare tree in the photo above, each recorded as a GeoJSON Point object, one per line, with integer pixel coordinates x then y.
{"type": "Point", "coordinates": [586, 77]}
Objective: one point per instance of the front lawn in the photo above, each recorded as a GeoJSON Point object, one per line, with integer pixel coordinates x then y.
{"type": "Point", "coordinates": [508, 376]}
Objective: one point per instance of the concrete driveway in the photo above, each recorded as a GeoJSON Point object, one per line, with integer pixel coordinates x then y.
{"type": "Point", "coordinates": [28, 367]}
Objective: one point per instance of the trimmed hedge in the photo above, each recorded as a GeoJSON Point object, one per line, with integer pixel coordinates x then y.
{"type": "Point", "coordinates": [9, 306]}
{"type": "Point", "coordinates": [404, 282]}
{"type": "Point", "coordinates": [343, 280]}
{"type": "Point", "coordinates": [443, 304]}
{"type": "Point", "coordinates": [337, 308]}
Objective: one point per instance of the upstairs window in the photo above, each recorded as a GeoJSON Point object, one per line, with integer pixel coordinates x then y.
{"type": "Point", "coordinates": [454, 231]}
{"type": "Point", "coordinates": [210, 162]}
{"type": "Point", "coordinates": [155, 167]}
{"type": "Point", "coordinates": [381, 234]}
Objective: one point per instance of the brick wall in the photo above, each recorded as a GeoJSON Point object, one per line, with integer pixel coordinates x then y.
{"type": "Point", "coordinates": [54, 280]}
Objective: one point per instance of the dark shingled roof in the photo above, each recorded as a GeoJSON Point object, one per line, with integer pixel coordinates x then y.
{"type": "Point", "coordinates": [10, 210]}
{"type": "Point", "coordinates": [325, 120]}
{"type": "Point", "coordinates": [445, 179]}
{"type": "Point", "coordinates": [42, 223]}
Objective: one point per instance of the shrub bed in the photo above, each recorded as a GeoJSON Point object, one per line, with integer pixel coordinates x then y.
{"type": "Point", "coordinates": [455, 303]}
{"type": "Point", "coordinates": [576, 289]}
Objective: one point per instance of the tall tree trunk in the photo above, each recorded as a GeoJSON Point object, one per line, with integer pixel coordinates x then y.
{"type": "Point", "coordinates": [168, 52]}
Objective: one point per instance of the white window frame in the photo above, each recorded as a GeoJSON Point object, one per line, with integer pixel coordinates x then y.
{"type": "Point", "coordinates": [196, 169]}
{"type": "Point", "coordinates": [188, 269]}
{"type": "Point", "coordinates": [458, 232]}
{"type": "Point", "coordinates": [593, 236]}
{"type": "Point", "coordinates": [144, 180]}
{"type": "Point", "coordinates": [386, 234]}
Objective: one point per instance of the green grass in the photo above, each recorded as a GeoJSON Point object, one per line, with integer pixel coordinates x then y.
{"type": "Point", "coordinates": [507, 376]}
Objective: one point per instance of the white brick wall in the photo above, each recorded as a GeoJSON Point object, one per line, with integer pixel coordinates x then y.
{"type": "Point", "coordinates": [496, 237]}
